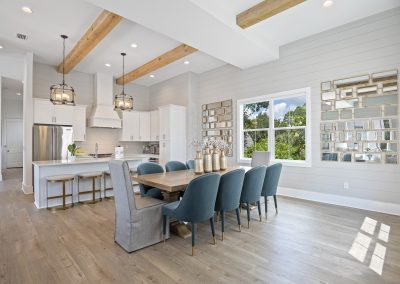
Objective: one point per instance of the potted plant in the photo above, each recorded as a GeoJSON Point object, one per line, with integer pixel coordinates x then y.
{"type": "Point", "coordinates": [72, 149]}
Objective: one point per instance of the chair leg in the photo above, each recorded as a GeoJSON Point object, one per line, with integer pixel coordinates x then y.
{"type": "Point", "coordinates": [266, 205]}
{"type": "Point", "coordinates": [276, 204]}
{"type": "Point", "coordinates": [259, 209]}
{"type": "Point", "coordinates": [212, 229]}
{"type": "Point", "coordinates": [193, 237]}
{"type": "Point", "coordinates": [164, 226]}
{"type": "Point", "coordinates": [222, 224]}
{"type": "Point", "coordinates": [248, 214]}
{"type": "Point", "coordinates": [238, 219]}
{"type": "Point", "coordinates": [217, 217]}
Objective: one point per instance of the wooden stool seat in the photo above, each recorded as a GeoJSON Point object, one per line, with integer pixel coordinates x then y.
{"type": "Point", "coordinates": [62, 179]}
{"type": "Point", "coordinates": [93, 176]}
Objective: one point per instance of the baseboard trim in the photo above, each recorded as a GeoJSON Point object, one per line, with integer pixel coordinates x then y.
{"type": "Point", "coordinates": [371, 205]}
{"type": "Point", "coordinates": [27, 189]}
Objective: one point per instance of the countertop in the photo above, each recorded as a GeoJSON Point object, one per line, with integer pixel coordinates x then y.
{"type": "Point", "coordinates": [89, 160]}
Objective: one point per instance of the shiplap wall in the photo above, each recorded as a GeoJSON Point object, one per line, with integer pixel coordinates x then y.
{"type": "Point", "coordinates": [362, 47]}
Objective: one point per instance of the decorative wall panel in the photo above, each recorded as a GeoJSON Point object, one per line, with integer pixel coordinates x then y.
{"type": "Point", "coordinates": [359, 119]}
{"type": "Point", "coordinates": [217, 123]}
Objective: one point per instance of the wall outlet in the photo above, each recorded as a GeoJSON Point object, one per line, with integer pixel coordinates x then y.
{"type": "Point", "coordinates": [346, 185]}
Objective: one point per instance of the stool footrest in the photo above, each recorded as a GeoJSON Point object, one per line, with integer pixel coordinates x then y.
{"type": "Point", "coordinates": [59, 196]}
{"type": "Point", "coordinates": [89, 191]}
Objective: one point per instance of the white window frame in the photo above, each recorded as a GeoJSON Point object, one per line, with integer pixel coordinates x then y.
{"type": "Point", "coordinates": [272, 129]}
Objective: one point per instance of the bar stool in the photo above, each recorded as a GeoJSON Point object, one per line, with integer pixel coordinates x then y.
{"type": "Point", "coordinates": [105, 175]}
{"type": "Point", "coordinates": [63, 179]}
{"type": "Point", "coordinates": [93, 176]}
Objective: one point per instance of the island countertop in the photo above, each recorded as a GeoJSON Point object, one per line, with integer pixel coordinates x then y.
{"type": "Point", "coordinates": [90, 160]}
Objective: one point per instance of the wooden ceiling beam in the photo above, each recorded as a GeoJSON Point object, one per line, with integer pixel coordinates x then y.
{"type": "Point", "coordinates": [264, 10]}
{"type": "Point", "coordinates": [156, 63]}
{"type": "Point", "coordinates": [103, 24]}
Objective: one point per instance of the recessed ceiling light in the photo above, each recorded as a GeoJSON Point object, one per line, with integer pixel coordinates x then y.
{"type": "Point", "coordinates": [134, 45]}
{"type": "Point", "coordinates": [1, 47]}
{"type": "Point", "coordinates": [328, 3]}
{"type": "Point", "coordinates": [186, 62]}
{"type": "Point", "coordinates": [19, 94]}
{"type": "Point", "coordinates": [152, 76]}
{"type": "Point", "coordinates": [108, 64]}
{"type": "Point", "coordinates": [27, 10]}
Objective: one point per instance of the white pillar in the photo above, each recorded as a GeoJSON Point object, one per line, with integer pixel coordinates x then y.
{"type": "Point", "coordinates": [1, 150]}
{"type": "Point", "coordinates": [27, 124]}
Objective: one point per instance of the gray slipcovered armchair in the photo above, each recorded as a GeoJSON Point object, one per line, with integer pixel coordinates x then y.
{"type": "Point", "coordinates": [138, 220]}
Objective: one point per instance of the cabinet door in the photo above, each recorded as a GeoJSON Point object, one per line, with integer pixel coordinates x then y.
{"type": "Point", "coordinates": [144, 126]}
{"type": "Point", "coordinates": [126, 134]}
{"type": "Point", "coordinates": [164, 123]}
{"type": "Point", "coordinates": [64, 115]}
{"type": "Point", "coordinates": [135, 125]}
{"type": "Point", "coordinates": [43, 111]}
{"type": "Point", "coordinates": [154, 125]}
{"type": "Point", "coordinates": [79, 123]}
{"type": "Point", "coordinates": [165, 154]}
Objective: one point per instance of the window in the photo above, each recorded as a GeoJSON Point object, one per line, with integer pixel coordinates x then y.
{"type": "Point", "coordinates": [279, 123]}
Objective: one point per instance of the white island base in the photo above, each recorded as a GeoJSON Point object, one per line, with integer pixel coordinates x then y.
{"type": "Point", "coordinates": [43, 169]}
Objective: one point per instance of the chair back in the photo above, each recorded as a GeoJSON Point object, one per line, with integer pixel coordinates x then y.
{"type": "Point", "coordinates": [198, 201]}
{"type": "Point", "coordinates": [190, 164]}
{"type": "Point", "coordinates": [271, 180]}
{"type": "Point", "coordinates": [173, 166]}
{"type": "Point", "coordinates": [229, 190]}
{"type": "Point", "coordinates": [123, 191]}
{"type": "Point", "coordinates": [253, 184]}
{"type": "Point", "coordinates": [260, 158]}
{"type": "Point", "coordinates": [146, 169]}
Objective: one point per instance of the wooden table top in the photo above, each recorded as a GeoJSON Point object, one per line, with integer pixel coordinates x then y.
{"type": "Point", "coordinates": [176, 181]}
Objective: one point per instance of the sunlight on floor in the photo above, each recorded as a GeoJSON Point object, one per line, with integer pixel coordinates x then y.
{"type": "Point", "coordinates": [362, 242]}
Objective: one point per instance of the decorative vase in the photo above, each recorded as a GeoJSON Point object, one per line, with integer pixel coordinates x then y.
{"type": "Point", "coordinates": [223, 161]}
{"type": "Point", "coordinates": [207, 161]}
{"type": "Point", "coordinates": [198, 163]}
{"type": "Point", "coordinates": [215, 161]}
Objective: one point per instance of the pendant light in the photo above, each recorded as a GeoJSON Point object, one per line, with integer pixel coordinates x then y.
{"type": "Point", "coordinates": [123, 101]}
{"type": "Point", "coordinates": [62, 94]}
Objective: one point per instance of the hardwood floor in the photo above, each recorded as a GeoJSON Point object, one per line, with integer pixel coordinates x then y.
{"type": "Point", "coordinates": [306, 242]}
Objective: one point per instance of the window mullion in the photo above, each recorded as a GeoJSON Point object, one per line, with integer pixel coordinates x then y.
{"type": "Point", "coordinates": [271, 132]}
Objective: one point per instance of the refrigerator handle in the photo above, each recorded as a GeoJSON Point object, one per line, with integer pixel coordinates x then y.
{"type": "Point", "coordinates": [54, 146]}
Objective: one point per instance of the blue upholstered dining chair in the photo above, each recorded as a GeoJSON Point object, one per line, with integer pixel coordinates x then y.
{"type": "Point", "coordinates": [197, 204]}
{"type": "Point", "coordinates": [190, 164]}
{"type": "Point", "coordinates": [146, 169]}
{"type": "Point", "coordinates": [228, 198]}
{"type": "Point", "coordinates": [173, 166]}
{"type": "Point", "coordinates": [271, 184]}
{"type": "Point", "coordinates": [252, 187]}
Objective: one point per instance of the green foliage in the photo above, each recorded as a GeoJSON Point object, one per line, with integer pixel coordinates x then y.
{"type": "Point", "coordinates": [289, 144]}
{"type": "Point", "coordinates": [72, 149]}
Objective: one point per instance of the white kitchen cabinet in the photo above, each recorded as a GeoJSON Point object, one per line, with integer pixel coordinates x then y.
{"type": "Point", "coordinates": [79, 123]}
{"type": "Point", "coordinates": [130, 126]}
{"type": "Point", "coordinates": [44, 112]}
{"type": "Point", "coordinates": [144, 126]}
{"type": "Point", "coordinates": [172, 133]}
{"type": "Point", "coordinates": [154, 125]}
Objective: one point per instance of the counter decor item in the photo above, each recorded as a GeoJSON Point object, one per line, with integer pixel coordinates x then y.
{"type": "Point", "coordinates": [207, 161]}
{"type": "Point", "coordinates": [72, 150]}
{"type": "Point", "coordinates": [119, 152]}
{"type": "Point", "coordinates": [223, 161]}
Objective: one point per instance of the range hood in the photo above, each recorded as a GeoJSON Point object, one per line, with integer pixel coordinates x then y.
{"type": "Point", "coordinates": [103, 113]}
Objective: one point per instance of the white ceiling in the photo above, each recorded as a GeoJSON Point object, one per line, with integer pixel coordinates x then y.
{"type": "Point", "coordinates": [208, 25]}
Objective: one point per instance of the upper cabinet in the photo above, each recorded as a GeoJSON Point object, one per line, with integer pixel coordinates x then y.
{"type": "Point", "coordinates": [44, 112]}
{"type": "Point", "coordinates": [135, 126]}
{"type": "Point", "coordinates": [154, 125]}
{"type": "Point", "coordinates": [165, 112]}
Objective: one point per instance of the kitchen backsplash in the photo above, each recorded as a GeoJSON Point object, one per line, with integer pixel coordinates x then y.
{"type": "Point", "coordinates": [107, 140]}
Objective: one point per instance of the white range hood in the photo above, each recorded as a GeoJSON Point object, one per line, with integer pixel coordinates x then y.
{"type": "Point", "coordinates": [103, 113]}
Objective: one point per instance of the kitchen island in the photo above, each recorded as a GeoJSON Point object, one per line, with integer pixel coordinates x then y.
{"type": "Point", "coordinates": [43, 169]}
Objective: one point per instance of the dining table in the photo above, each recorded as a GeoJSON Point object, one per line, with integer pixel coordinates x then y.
{"type": "Point", "coordinates": [172, 184]}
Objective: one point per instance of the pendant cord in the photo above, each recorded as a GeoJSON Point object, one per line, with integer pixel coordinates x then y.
{"type": "Point", "coordinates": [123, 75]}
{"type": "Point", "coordinates": [63, 60]}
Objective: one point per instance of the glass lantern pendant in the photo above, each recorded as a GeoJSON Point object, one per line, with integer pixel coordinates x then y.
{"type": "Point", "coordinates": [62, 94]}
{"type": "Point", "coordinates": [123, 101]}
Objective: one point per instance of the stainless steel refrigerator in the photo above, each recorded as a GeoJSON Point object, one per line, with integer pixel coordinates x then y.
{"type": "Point", "coordinates": [50, 142]}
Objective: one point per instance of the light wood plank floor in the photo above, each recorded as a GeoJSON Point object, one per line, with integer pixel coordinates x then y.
{"type": "Point", "coordinates": [306, 242]}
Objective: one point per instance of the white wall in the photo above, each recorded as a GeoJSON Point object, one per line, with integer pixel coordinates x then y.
{"type": "Point", "coordinates": [362, 47]}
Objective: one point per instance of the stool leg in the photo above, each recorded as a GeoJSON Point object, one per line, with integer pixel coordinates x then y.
{"type": "Point", "coordinates": [93, 189]}
{"type": "Point", "coordinates": [100, 189]}
{"type": "Point", "coordinates": [104, 186]}
{"type": "Point", "coordinates": [72, 192]}
{"type": "Point", "coordinates": [78, 190]}
{"type": "Point", "coordinates": [47, 194]}
{"type": "Point", "coordinates": [63, 195]}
